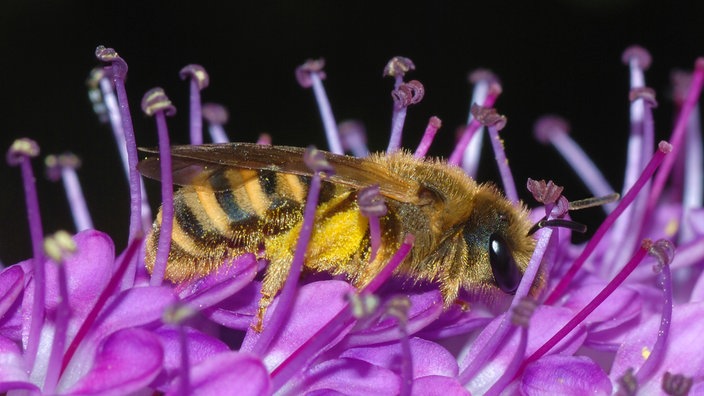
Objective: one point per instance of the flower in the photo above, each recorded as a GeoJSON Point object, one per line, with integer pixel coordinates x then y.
{"type": "Point", "coordinates": [78, 319]}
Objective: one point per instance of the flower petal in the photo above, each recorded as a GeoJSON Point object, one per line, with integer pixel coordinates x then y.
{"type": "Point", "coordinates": [352, 377]}
{"type": "Point", "coordinates": [13, 374]}
{"type": "Point", "coordinates": [565, 375]}
{"type": "Point", "coordinates": [316, 304]}
{"type": "Point", "coordinates": [237, 311]}
{"type": "Point", "coordinates": [429, 358]}
{"type": "Point", "coordinates": [680, 357]}
{"type": "Point", "coordinates": [425, 308]}
{"type": "Point", "coordinates": [126, 361]}
{"type": "Point", "coordinates": [434, 385]}
{"type": "Point", "coordinates": [11, 286]}
{"type": "Point", "coordinates": [200, 347]}
{"type": "Point", "coordinates": [228, 373]}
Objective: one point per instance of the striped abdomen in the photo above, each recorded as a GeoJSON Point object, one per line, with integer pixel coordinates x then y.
{"type": "Point", "coordinates": [236, 210]}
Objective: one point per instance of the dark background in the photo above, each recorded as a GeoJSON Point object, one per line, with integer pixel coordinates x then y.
{"type": "Point", "coordinates": [552, 57]}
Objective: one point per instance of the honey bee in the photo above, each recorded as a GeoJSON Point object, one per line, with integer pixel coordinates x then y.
{"type": "Point", "coordinates": [243, 197]}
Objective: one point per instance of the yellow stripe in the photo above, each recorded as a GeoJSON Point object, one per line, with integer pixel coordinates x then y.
{"type": "Point", "coordinates": [218, 218]}
{"type": "Point", "coordinates": [296, 188]}
{"type": "Point", "coordinates": [180, 238]}
{"type": "Point", "coordinates": [258, 199]}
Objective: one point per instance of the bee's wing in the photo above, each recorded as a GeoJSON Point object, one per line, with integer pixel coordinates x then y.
{"type": "Point", "coordinates": [193, 165]}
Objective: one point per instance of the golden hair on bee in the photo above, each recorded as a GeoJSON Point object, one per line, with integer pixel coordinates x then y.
{"type": "Point", "coordinates": [240, 197]}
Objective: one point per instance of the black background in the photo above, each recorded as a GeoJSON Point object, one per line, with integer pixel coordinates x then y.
{"type": "Point", "coordinates": [552, 57]}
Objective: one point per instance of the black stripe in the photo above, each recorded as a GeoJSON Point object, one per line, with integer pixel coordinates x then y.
{"type": "Point", "coordinates": [267, 179]}
{"type": "Point", "coordinates": [187, 220]}
{"type": "Point", "coordinates": [226, 199]}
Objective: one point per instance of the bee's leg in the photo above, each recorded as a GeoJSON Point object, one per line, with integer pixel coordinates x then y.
{"type": "Point", "coordinates": [274, 279]}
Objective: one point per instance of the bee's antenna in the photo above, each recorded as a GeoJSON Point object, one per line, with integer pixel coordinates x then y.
{"type": "Point", "coordinates": [562, 223]}
{"type": "Point", "coordinates": [574, 205]}
{"type": "Point", "coordinates": [594, 201]}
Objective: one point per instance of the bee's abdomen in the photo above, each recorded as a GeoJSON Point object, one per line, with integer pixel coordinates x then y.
{"type": "Point", "coordinates": [233, 212]}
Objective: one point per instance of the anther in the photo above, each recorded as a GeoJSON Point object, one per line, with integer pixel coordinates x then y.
{"type": "Point", "coordinates": [488, 116]}
{"type": "Point", "coordinates": [398, 66]}
{"type": "Point", "coordinates": [628, 384]}
{"type": "Point", "coordinates": [664, 251]}
{"type": "Point", "coordinates": [371, 202]}
{"type": "Point", "coordinates": [408, 93]}
{"type": "Point", "coordinates": [676, 384]}
{"type": "Point", "coordinates": [638, 54]}
{"type": "Point", "coordinates": [59, 246]}
{"type": "Point", "coordinates": [316, 161]}
{"type": "Point", "coordinates": [20, 150]}
{"type": "Point", "coordinates": [304, 71]}
{"type": "Point", "coordinates": [645, 93]}
{"type": "Point", "coordinates": [155, 100]}
{"type": "Point", "coordinates": [197, 73]}
{"type": "Point", "coordinates": [118, 66]}
{"type": "Point", "coordinates": [363, 305]}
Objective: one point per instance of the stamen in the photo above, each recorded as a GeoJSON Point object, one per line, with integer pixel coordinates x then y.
{"type": "Point", "coordinates": [549, 194]}
{"type": "Point", "coordinates": [628, 384]}
{"type": "Point", "coordinates": [520, 316]}
{"type": "Point", "coordinates": [354, 137]}
{"type": "Point", "coordinates": [156, 103]}
{"type": "Point", "coordinates": [58, 247]}
{"type": "Point", "coordinates": [216, 115]}
{"type": "Point", "coordinates": [496, 122]}
{"type": "Point", "coordinates": [177, 315]}
{"type": "Point", "coordinates": [20, 153]}
{"type": "Point", "coordinates": [663, 149]}
{"type": "Point", "coordinates": [116, 124]}
{"type": "Point", "coordinates": [676, 384]}
{"type": "Point", "coordinates": [117, 70]}
{"type": "Point", "coordinates": [311, 74]}
{"type": "Point", "coordinates": [678, 133]}
{"type": "Point", "coordinates": [693, 189]}
{"type": "Point", "coordinates": [629, 227]}
{"type": "Point", "coordinates": [96, 96]}
{"type": "Point", "coordinates": [371, 204]}
{"type": "Point", "coordinates": [299, 359]}
{"type": "Point", "coordinates": [363, 305]}
{"type": "Point", "coordinates": [473, 126]}
{"type": "Point", "coordinates": [664, 251]}
{"type": "Point", "coordinates": [505, 327]}
{"type": "Point", "coordinates": [554, 130]}
{"type": "Point", "coordinates": [398, 308]}
{"type": "Point", "coordinates": [397, 67]}
{"type": "Point", "coordinates": [404, 95]}
{"type": "Point", "coordinates": [199, 80]}
{"type": "Point", "coordinates": [64, 167]}
{"type": "Point", "coordinates": [591, 306]}
{"type": "Point", "coordinates": [316, 161]}
{"type": "Point", "coordinates": [482, 79]}
{"type": "Point", "coordinates": [433, 125]}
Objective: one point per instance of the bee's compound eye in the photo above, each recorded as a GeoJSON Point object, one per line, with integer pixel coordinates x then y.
{"type": "Point", "coordinates": [503, 265]}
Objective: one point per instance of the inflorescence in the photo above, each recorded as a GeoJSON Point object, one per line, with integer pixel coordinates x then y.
{"type": "Point", "coordinates": [618, 314]}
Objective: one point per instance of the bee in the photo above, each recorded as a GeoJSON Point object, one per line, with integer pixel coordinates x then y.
{"type": "Point", "coordinates": [241, 197]}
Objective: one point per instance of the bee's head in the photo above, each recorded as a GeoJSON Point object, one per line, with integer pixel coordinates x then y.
{"type": "Point", "coordinates": [496, 233]}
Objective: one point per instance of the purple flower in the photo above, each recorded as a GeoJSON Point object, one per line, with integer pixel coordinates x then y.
{"type": "Point", "coordinates": [618, 314]}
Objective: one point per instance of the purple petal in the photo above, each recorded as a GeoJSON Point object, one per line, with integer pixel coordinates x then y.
{"type": "Point", "coordinates": [87, 272]}
{"type": "Point", "coordinates": [425, 309]}
{"type": "Point", "coordinates": [200, 347]}
{"type": "Point", "coordinates": [226, 374]}
{"type": "Point", "coordinates": [351, 377]}
{"type": "Point", "coordinates": [126, 361]}
{"type": "Point", "coordinates": [217, 286]}
{"type": "Point", "coordinates": [434, 385]}
{"type": "Point", "coordinates": [11, 286]}
{"type": "Point", "coordinates": [455, 321]}
{"type": "Point", "coordinates": [316, 304]}
{"type": "Point", "coordinates": [683, 354]}
{"type": "Point", "coordinates": [544, 323]}
{"type": "Point", "coordinates": [13, 374]}
{"type": "Point", "coordinates": [565, 375]}
{"type": "Point", "coordinates": [237, 311]}
{"type": "Point", "coordinates": [429, 358]}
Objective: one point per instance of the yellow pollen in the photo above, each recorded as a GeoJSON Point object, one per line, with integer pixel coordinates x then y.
{"type": "Point", "coordinates": [645, 352]}
{"type": "Point", "coordinates": [671, 227]}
